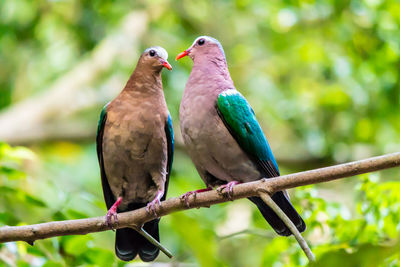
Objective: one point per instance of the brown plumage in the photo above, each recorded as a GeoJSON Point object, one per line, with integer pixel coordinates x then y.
{"type": "Point", "coordinates": [134, 145]}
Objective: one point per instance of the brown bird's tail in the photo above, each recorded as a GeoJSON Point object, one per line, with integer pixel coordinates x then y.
{"type": "Point", "coordinates": [276, 223]}
{"type": "Point", "coordinates": [129, 243]}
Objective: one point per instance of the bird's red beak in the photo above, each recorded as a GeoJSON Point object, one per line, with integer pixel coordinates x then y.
{"type": "Point", "coordinates": [181, 55]}
{"type": "Point", "coordinates": [166, 64]}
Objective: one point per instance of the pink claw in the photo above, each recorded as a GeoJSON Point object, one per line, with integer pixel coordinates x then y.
{"type": "Point", "coordinates": [152, 206]}
{"type": "Point", "coordinates": [112, 214]}
{"type": "Point", "coordinates": [229, 189]}
{"type": "Point", "coordinates": [185, 197]}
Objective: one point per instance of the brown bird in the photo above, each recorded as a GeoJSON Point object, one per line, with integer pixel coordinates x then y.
{"type": "Point", "coordinates": [135, 150]}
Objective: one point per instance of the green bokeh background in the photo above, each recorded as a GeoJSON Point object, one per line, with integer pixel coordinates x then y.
{"type": "Point", "coordinates": [322, 77]}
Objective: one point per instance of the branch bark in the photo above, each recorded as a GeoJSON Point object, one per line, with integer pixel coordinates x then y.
{"type": "Point", "coordinates": [136, 218]}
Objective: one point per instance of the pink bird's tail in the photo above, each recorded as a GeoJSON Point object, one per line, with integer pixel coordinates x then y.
{"type": "Point", "coordinates": [276, 223]}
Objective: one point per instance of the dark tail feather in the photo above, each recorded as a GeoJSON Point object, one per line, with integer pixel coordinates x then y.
{"type": "Point", "coordinates": [126, 240]}
{"type": "Point", "coordinates": [147, 251]}
{"type": "Point", "coordinates": [276, 223]}
{"type": "Point", "coordinates": [128, 243]}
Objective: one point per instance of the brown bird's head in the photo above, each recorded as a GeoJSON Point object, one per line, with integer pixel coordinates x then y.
{"type": "Point", "coordinates": [155, 57]}
{"type": "Point", "coordinates": [204, 47]}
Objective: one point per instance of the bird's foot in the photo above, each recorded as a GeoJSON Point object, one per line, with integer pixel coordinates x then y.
{"type": "Point", "coordinates": [112, 215]}
{"type": "Point", "coordinates": [185, 197]}
{"type": "Point", "coordinates": [155, 203]}
{"type": "Point", "coordinates": [229, 189]}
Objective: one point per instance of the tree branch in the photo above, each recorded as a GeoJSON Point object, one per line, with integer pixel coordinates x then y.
{"type": "Point", "coordinates": [136, 218]}
{"type": "Point", "coordinates": [303, 244]}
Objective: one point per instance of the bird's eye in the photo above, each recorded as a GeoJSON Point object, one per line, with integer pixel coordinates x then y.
{"type": "Point", "coordinates": [152, 53]}
{"type": "Point", "coordinates": [201, 41]}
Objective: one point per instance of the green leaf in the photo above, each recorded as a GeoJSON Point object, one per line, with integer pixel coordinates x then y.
{"type": "Point", "coordinates": [35, 201]}
{"type": "Point", "coordinates": [77, 245]}
{"type": "Point", "coordinates": [201, 242]}
{"type": "Point", "coordinates": [53, 264]}
{"type": "Point", "coordinates": [366, 255]}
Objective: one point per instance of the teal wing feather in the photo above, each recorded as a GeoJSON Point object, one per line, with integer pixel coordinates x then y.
{"type": "Point", "coordinates": [108, 195]}
{"type": "Point", "coordinates": [169, 132]}
{"type": "Point", "coordinates": [241, 122]}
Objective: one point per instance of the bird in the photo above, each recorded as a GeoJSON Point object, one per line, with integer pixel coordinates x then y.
{"type": "Point", "coordinates": [222, 135]}
{"type": "Point", "coordinates": [135, 146]}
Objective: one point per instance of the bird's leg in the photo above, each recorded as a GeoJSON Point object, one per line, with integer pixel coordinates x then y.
{"type": "Point", "coordinates": [229, 188]}
{"type": "Point", "coordinates": [112, 213]}
{"type": "Point", "coordinates": [185, 197]}
{"type": "Point", "coordinates": [151, 206]}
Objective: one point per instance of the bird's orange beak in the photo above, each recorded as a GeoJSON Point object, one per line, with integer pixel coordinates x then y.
{"type": "Point", "coordinates": [181, 55]}
{"type": "Point", "coordinates": [166, 64]}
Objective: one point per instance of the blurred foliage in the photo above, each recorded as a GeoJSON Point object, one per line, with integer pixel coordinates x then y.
{"type": "Point", "coordinates": [322, 77]}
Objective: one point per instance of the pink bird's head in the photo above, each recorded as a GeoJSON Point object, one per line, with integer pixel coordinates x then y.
{"type": "Point", "coordinates": [203, 47]}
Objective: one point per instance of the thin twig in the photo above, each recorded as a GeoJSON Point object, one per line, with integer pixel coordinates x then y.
{"type": "Point", "coordinates": [154, 242]}
{"type": "Point", "coordinates": [303, 244]}
{"type": "Point", "coordinates": [261, 233]}
{"type": "Point", "coordinates": [30, 233]}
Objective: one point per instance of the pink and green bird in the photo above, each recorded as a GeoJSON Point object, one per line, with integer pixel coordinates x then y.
{"type": "Point", "coordinates": [221, 132]}
{"type": "Point", "coordinates": [135, 143]}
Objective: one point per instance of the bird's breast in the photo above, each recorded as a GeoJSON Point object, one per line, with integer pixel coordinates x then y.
{"type": "Point", "coordinates": [210, 144]}
{"type": "Point", "coordinates": [134, 146]}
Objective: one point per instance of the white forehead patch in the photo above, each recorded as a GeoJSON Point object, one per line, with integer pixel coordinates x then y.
{"type": "Point", "coordinates": [161, 52]}
{"type": "Point", "coordinates": [207, 38]}
{"type": "Point", "coordinates": [211, 40]}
